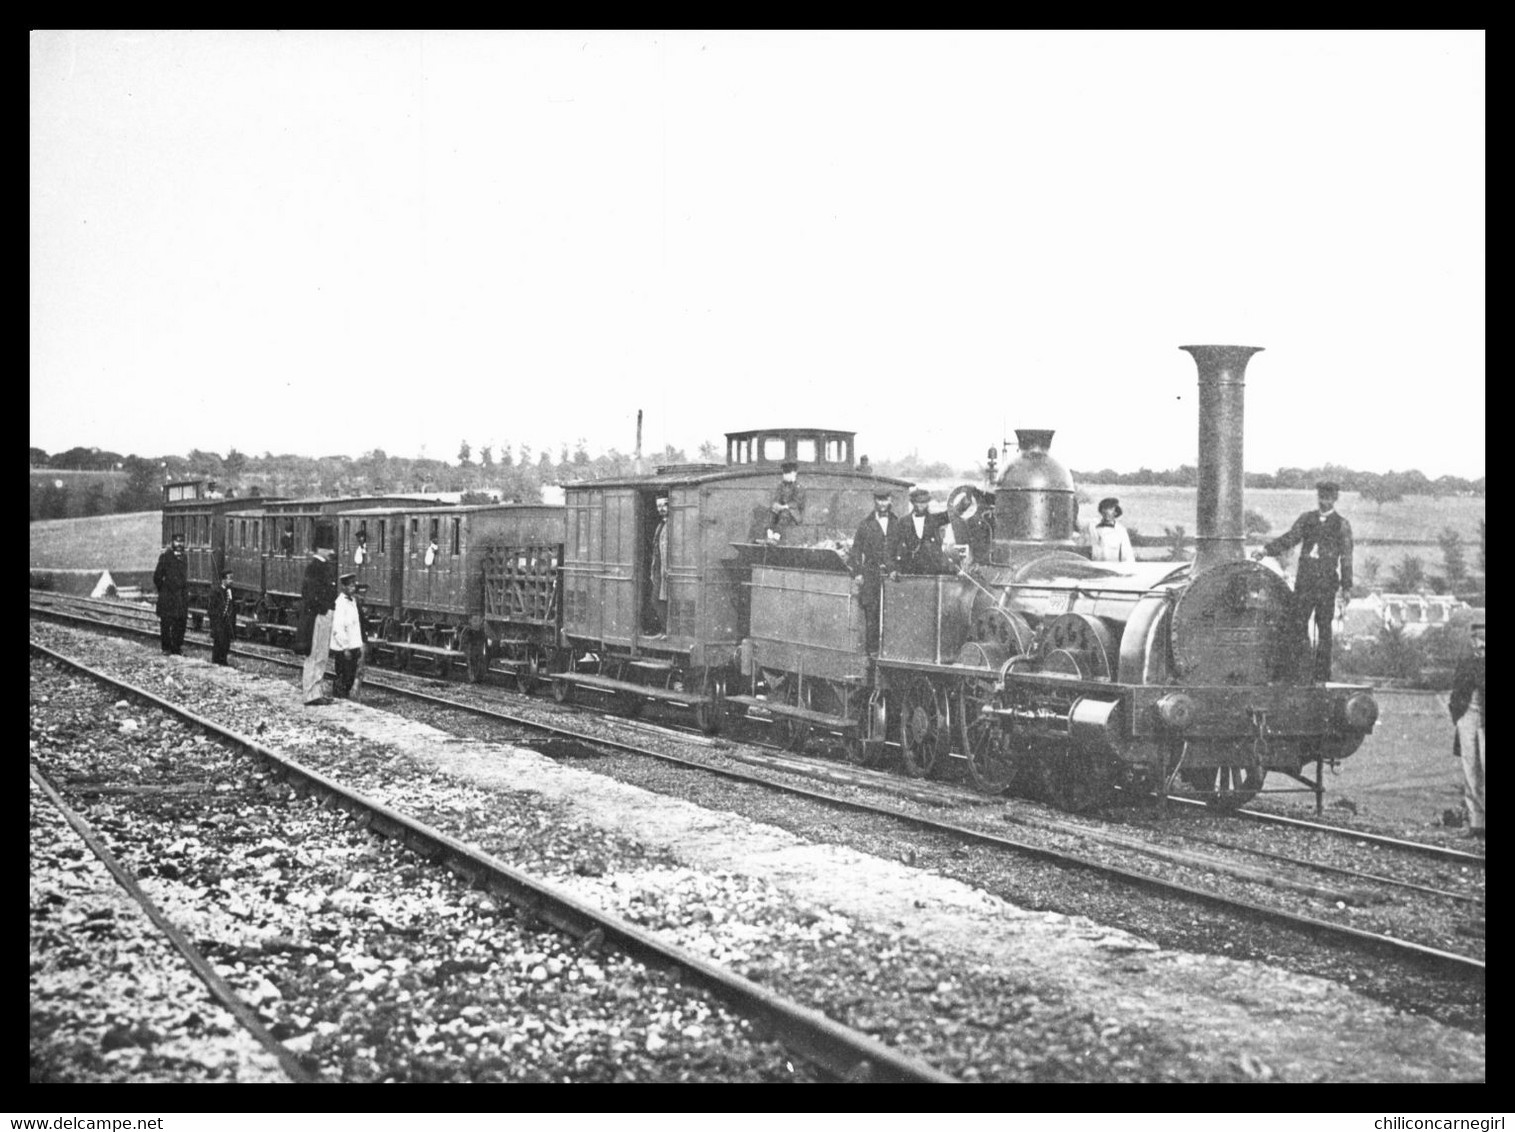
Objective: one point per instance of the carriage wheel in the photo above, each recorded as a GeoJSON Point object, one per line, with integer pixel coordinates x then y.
{"type": "Point", "coordinates": [991, 765]}
{"type": "Point", "coordinates": [865, 746]}
{"type": "Point", "coordinates": [925, 730]}
{"type": "Point", "coordinates": [792, 733]}
{"type": "Point", "coordinates": [1227, 787]}
{"type": "Point", "coordinates": [529, 675]}
{"type": "Point", "coordinates": [1077, 780]}
{"type": "Point", "coordinates": [476, 646]}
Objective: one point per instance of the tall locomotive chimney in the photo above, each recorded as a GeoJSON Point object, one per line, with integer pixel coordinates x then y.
{"type": "Point", "coordinates": [1219, 529]}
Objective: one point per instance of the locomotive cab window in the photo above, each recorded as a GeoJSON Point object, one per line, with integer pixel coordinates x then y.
{"type": "Point", "coordinates": [804, 449]}
{"type": "Point", "coordinates": [774, 448]}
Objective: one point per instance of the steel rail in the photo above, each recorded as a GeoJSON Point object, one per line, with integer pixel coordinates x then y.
{"type": "Point", "coordinates": [839, 1051]}
{"type": "Point", "coordinates": [1457, 856]}
{"type": "Point", "coordinates": [219, 989]}
{"type": "Point", "coordinates": [1461, 966]}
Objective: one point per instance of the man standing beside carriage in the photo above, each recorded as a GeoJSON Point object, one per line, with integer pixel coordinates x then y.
{"type": "Point", "coordinates": [171, 580]}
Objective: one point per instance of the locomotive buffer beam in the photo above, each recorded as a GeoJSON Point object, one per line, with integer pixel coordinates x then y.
{"type": "Point", "coordinates": [652, 692]}
{"type": "Point", "coordinates": [818, 718]}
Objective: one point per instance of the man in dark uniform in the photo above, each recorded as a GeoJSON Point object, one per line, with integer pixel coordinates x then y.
{"type": "Point", "coordinates": [223, 619]}
{"type": "Point", "coordinates": [869, 560]}
{"type": "Point", "coordinates": [1467, 707]}
{"type": "Point", "coordinates": [918, 540]}
{"type": "Point", "coordinates": [318, 597]}
{"type": "Point", "coordinates": [171, 580]}
{"type": "Point", "coordinates": [788, 507]}
{"type": "Point", "coordinates": [1325, 566]}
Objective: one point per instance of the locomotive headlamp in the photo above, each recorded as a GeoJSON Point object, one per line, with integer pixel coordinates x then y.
{"type": "Point", "coordinates": [1361, 711]}
{"type": "Point", "coordinates": [1176, 710]}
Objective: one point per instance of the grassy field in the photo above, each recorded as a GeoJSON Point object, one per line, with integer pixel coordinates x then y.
{"type": "Point", "coordinates": [1417, 519]}
{"type": "Point", "coordinates": [118, 543]}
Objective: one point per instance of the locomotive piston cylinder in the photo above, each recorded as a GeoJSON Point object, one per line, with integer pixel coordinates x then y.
{"type": "Point", "coordinates": [1220, 533]}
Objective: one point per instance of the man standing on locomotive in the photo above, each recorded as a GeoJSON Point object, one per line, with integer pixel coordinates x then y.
{"type": "Point", "coordinates": [171, 580]}
{"type": "Point", "coordinates": [657, 575]}
{"type": "Point", "coordinates": [788, 507]}
{"type": "Point", "coordinates": [869, 559]}
{"type": "Point", "coordinates": [318, 598]}
{"type": "Point", "coordinates": [1324, 538]}
{"type": "Point", "coordinates": [918, 540]}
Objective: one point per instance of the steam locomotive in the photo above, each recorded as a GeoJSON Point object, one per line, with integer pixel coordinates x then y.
{"type": "Point", "coordinates": [1040, 669]}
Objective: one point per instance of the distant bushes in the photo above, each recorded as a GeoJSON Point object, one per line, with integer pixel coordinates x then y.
{"type": "Point", "coordinates": [1426, 661]}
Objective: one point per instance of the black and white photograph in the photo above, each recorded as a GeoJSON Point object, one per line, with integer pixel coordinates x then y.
{"type": "Point", "coordinates": [754, 557]}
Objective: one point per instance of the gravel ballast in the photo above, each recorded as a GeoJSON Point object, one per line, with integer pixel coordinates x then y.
{"type": "Point", "coordinates": [976, 986]}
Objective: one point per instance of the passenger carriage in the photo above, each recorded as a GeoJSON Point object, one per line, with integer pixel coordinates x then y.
{"type": "Point", "coordinates": [194, 509]}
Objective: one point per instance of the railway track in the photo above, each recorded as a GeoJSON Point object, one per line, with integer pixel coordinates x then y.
{"type": "Point", "coordinates": [1443, 962]}
{"type": "Point", "coordinates": [836, 1050]}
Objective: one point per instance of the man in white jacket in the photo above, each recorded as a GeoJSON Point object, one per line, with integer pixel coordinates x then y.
{"type": "Point", "coordinates": [1108, 540]}
{"type": "Point", "coordinates": [346, 636]}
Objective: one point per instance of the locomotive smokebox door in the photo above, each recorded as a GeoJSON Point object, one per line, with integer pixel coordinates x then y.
{"type": "Point", "coordinates": [1230, 627]}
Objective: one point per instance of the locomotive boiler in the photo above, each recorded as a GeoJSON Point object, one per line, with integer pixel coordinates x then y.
{"type": "Point", "coordinates": [1054, 674]}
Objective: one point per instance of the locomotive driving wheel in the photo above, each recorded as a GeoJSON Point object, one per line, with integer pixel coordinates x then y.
{"type": "Point", "coordinates": [1226, 787]}
{"type": "Point", "coordinates": [925, 726]}
{"type": "Point", "coordinates": [991, 763]}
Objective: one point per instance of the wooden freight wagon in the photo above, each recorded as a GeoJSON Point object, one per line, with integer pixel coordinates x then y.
{"type": "Point", "coordinates": [479, 584]}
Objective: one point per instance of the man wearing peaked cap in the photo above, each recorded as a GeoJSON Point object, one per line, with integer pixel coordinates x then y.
{"type": "Point", "coordinates": [788, 506]}
{"type": "Point", "coordinates": [347, 636]}
{"type": "Point", "coordinates": [918, 538]}
{"type": "Point", "coordinates": [318, 599]}
{"type": "Point", "coordinates": [1324, 538]}
{"type": "Point", "coordinates": [869, 560]}
{"type": "Point", "coordinates": [222, 613]}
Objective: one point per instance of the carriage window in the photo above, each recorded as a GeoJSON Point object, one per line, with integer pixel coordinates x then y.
{"type": "Point", "coordinates": [231, 527]}
{"type": "Point", "coordinates": [773, 448]}
{"type": "Point", "coordinates": [415, 534]}
{"type": "Point", "coordinates": [382, 531]}
{"type": "Point", "coordinates": [310, 534]}
{"type": "Point", "coordinates": [257, 538]}
{"type": "Point", "coordinates": [287, 540]}
{"type": "Point", "coordinates": [804, 450]}
{"type": "Point", "coordinates": [242, 537]}
{"type": "Point", "coordinates": [436, 529]}
{"type": "Point", "coordinates": [457, 536]}
{"type": "Point", "coordinates": [346, 533]}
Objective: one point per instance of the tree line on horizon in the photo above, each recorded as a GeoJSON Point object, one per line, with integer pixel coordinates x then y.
{"type": "Point", "coordinates": [134, 483]}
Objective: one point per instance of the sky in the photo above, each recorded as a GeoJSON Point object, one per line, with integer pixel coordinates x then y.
{"type": "Point", "coordinates": [328, 242]}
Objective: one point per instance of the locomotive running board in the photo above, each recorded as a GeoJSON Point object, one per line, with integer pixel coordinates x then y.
{"type": "Point", "coordinates": [606, 684]}
{"type": "Point", "coordinates": [819, 718]}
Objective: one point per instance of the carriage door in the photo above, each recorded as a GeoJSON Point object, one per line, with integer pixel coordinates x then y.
{"type": "Point", "coordinates": [620, 587]}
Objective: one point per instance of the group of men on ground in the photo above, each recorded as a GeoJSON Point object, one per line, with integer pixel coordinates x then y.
{"type": "Point", "coordinates": [331, 619]}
